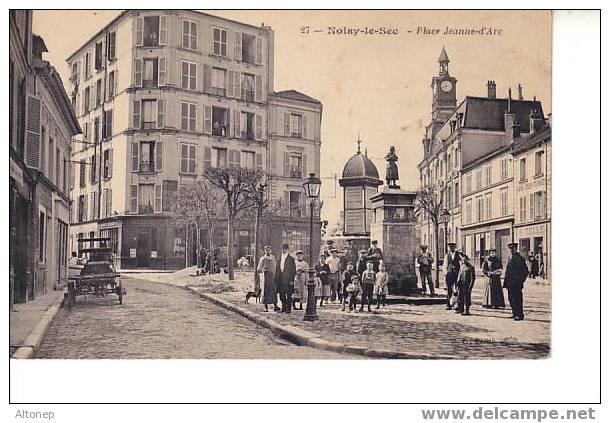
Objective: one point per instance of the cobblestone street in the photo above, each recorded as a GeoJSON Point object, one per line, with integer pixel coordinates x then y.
{"type": "Point", "coordinates": [161, 321]}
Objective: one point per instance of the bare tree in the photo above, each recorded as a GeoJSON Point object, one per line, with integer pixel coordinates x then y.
{"type": "Point", "coordinates": [239, 188]}
{"type": "Point", "coordinates": [200, 204]}
{"type": "Point", "coordinates": [429, 203]}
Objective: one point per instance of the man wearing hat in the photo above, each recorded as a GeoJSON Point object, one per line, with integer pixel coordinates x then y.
{"type": "Point", "coordinates": [451, 268]}
{"type": "Point", "coordinates": [329, 247]}
{"type": "Point", "coordinates": [351, 252]}
{"type": "Point", "coordinates": [516, 273]}
{"type": "Point", "coordinates": [466, 279]}
{"type": "Point", "coordinates": [361, 263]}
{"type": "Point", "coordinates": [284, 277]}
{"type": "Point", "coordinates": [334, 268]}
{"type": "Point", "coordinates": [375, 254]}
{"type": "Point", "coordinates": [425, 260]}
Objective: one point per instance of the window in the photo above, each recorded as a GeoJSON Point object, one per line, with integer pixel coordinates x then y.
{"type": "Point", "coordinates": [98, 56]}
{"type": "Point", "coordinates": [150, 72]}
{"type": "Point", "coordinates": [295, 204]}
{"type": "Point", "coordinates": [147, 156]}
{"type": "Point", "coordinates": [468, 183]}
{"type": "Point", "coordinates": [248, 48]}
{"type": "Point", "coordinates": [296, 122]}
{"type": "Point", "coordinates": [220, 121]}
{"type": "Point", "coordinates": [504, 202]}
{"type": "Point", "coordinates": [189, 76]}
{"type": "Point", "coordinates": [487, 175]}
{"type": "Point", "coordinates": [107, 128]}
{"type": "Point", "coordinates": [539, 212]}
{"type": "Point", "coordinates": [50, 173]}
{"type": "Point", "coordinates": [189, 117]}
{"type": "Point", "coordinates": [296, 166]}
{"type": "Point", "coordinates": [87, 65]}
{"type": "Point", "coordinates": [220, 42]}
{"type": "Point", "coordinates": [456, 193]}
{"type": "Point", "coordinates": [219, 157]}
{"type": "Point", "coordinates": [93, 176]}
{"type": "Point", "coordinates": [538, 163]}
{"type": "Point", "coordinates": [479, 178]}
{"type": "Point", "coordinates": [151, 31]}
{"type": "Point", "coordinates": [248, 159]}
{"type": "Point", "coordinates": [188, 159]}
{"type": "Point", "coordinates": [504, 169]}
{"type": "Point", "coordinates": [96, 129]}
{"type": "Point", "coordinates": [146, 199]}
{"type": "Point", "coordinates": [149, 115]}
{"type": "Point", "coordinates": [219, 84]}
{"type": "Point", "coordinates": [133, 206]}
{"type": "Point", "coordinates": [42, 238]}
{"type": "Point", "coordinates": [523, 209]}
{"type": "Point", "coordinates": [522, 170]}
{"type": "Point", "coordinates": [449, 162]}
{"type": "Point", "coordinates": [247, 87]}
{"type": "Point", "coordinates": [169, 195]}
{"type": "Point", "coordinates": [111, 84]}
{"type": "Point", "coordinates": [488, 214]}
{"type": "Point", "coordinates": [480, 209]}
{"type": "Point", "coordinates": [81, 208]}
{"type": "Point", "coordinates": [189, 35]}
{"type": "Point", "coordinates": [86, 99]}
{"type": "Point", "coordinates": [456, 158]}
{"type": "Point", "coordinates": [111, 45]}
{"type": "Point", "coordinates": [468, 215]}
{"type": "Point", "coordinates": [82, 173]}
{"type": "Point", "coordinates": [74, 74]}
{"type": "Point", "coordinates": [247, 125]}
{"type": "Point", "coordinates": [93, 205]}
{"type": "Point", "coordinates": [107, 164]}
{"type": "Point", "coordinates": [449, 197]}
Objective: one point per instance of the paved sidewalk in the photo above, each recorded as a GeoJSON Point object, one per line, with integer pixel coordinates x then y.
{"type": "Point", "coordinates": [425, 330]}
{"type": "Point", "coordinates": [29, 322]}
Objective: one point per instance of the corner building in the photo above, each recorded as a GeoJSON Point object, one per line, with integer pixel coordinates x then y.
{"type": "Point", "coordinates": [163, 96]}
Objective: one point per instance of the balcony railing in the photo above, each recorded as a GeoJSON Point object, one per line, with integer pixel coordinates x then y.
{"type": "Point", "coordinates": [247, 95]}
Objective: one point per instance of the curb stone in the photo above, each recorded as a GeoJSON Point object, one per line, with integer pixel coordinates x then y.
{"type": "Point", "coordinates": [34, 339]}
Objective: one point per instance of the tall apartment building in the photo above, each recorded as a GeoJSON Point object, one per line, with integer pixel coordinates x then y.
{"type": "Point", "coordinates": [165, 95]}
{"type": "Point", "coordinates": [463, 163]}
{"type": "Point", "coordinates": [41, 126]}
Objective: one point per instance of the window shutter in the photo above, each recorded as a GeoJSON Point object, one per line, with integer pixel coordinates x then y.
{"type": "Point", "coordinates": [158, 202]}
{"type": "Point", "coordinates": [115, 91]}
{"type": "Point", "coordinates": [134, 157]}
{"type": "Point", "coordinates": [93, 204]}
{"type": "Point", "coordinates": [286, 164]}
{"type": "Point", "coordinates": [136, 114]}
{"type": "Point", "coordinates": [305, 127]}
{"type": "Point", "coordinates": [162, 72]}
{"type": "Point", "coordinates": [207, 158]}
{"type": "Point", "coordinates": [139, 31]}
{"type": "Point", "coordinates": [92, 175]}
{"type": "Point", "coordinates": [231, 83]}
{"type": "Point", "coordinates": [32, 137]}
{"type": "Point", "coordinates": [259, 161]}
{"type": "Point", "coordinates": [258, 88]}
{"type": "Point", "coordinates": [159, 159]}
{"type": "Point", "coordinates": [302, 205]}
{"type": "Point", "coordinates": [160, 113]}
{"type": "Point", "coordinates": [193, 157]}
{"type": "Point", "coordinates": [259, 127]}
{"type": "Point", "coordinates": [207, 79]}
{"type": "Point", "coordinates": [134, 199]}
{"type": "Point", "coordinates": [207, 124]}
{"type": "Point", "coordinates": [287, 124]}
{"type": "Point", "coordinates": [110, 163]}
{"type": "Point", "coordinates": [137, 66]}
{"type": "Point", "coordinates": [237, 158]}
{"type": "Point", "coordinates": [304, 166]}
{"type": "Point", "coordinates": [531, 216]}
{"type": "Point", "coordinates": [85, 214]}
{"type": "Point", "coordinates": [236, 114]}
{"type": "Point", "coordinates": [259, 50]}
{"type": "Point", "coordinates": [109, 203]}
{"type": "Point", "coordinates": [238, 46]}
{"type": "Point", "coordinates": [183, 158]}
{"type": "Point", "coordinates": [162, 30]}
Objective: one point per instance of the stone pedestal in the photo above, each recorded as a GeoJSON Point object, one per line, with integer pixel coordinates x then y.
{"type": "Point", "coordinates": [394, 227]}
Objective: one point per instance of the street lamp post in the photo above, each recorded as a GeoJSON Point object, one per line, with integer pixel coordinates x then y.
{"type": "Point", "coordinates": [444, 219]}
{"type": "Point", "coordinates": [311, 186]}
{"type": "Point", "coordinates": [260, 193]}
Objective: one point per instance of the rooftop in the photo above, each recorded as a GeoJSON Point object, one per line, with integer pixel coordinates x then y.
{"type": "Point", "coordinates": [296, 95]}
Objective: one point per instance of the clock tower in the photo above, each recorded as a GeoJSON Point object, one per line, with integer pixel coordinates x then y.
{"type": "Point", "coordinates": [444, 99]}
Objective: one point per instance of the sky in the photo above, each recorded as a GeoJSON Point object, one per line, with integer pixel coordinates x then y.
{"type": "Point", "coordinates": [375, 86]}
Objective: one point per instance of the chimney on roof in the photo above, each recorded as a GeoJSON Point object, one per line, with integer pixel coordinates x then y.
{"type": "Point", "coordinates": [536, 121]}
{"type": "Point", "coordinates": [520, 92]}
{"type": "Point", "coordinates": [491, 89]}
{"type": "Point", "coordinates": [511, 128]}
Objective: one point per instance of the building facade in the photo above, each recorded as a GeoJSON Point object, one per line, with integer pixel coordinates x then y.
{"type": "Point", "coordinates": [163, 96]}
{"type": "Point", "coordinates": [42, 124]}
{"type": "Point", "coordinates": [468, 165]}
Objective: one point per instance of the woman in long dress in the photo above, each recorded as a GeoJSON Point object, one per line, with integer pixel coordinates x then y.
{"type": "Point", "coordinates": [266, 266]}
{"type": "Point", "coordinates": [300, 281]}
{"type": "Point", "coordinates": [492, 268]}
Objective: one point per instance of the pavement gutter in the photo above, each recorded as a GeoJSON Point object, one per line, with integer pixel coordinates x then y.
{"type": "Point", "coordinates": [34, 339]}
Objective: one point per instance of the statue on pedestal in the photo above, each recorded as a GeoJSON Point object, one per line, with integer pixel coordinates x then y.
{"type": "Point", "coordinates": [391, 175]}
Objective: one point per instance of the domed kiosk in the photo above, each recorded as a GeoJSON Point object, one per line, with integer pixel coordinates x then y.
{"type": "Point", "coordinates": [360, 181]}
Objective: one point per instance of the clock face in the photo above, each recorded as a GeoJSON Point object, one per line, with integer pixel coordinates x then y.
{"type": "Point", "coordinates": [446, 86]}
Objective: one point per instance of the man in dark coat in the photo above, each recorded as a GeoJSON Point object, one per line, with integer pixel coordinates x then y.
{"type": "Point", "coordinates": [284, 278]}
{"type": "Point", "coordinates": [376, 254]}
{"type": "Point", "coordinates": [514, 277]}
{"type": "Point", "coordinates": [361, 263]}
{"type": "Point", "coordinates": [451, 267]}
{"type": "Point", "coordinates": [425, 262]}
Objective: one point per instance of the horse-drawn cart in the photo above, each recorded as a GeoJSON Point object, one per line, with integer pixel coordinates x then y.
{"type": "Point", "coordinates": [98, 276]}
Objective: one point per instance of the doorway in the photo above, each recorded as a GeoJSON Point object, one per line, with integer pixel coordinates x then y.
{"type": "Point", "coordinates": [143, 250]}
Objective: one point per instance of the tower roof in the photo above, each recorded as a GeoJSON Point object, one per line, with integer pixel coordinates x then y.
{"type": "Point", "coordinates": [443, 58]}
{"type": "Point", "coordinates": [360, 166]}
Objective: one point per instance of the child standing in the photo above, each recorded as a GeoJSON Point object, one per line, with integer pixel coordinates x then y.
{"type": "Point", "coordinates": [368, 281]}
{"type": "Point", "coordinates": [352, 290]}
{"type": "Point", "coordinates": [381, 285]}
{"type": "Point", "coordinates": [346, 279]}
{"type": "Point", "coordinates": [322, 272]}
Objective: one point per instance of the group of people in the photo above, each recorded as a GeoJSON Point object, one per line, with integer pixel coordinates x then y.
{"type": "Point", "coordinates": [460, 276]}
{"type": "Point", "coordinates": [337, 278]}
